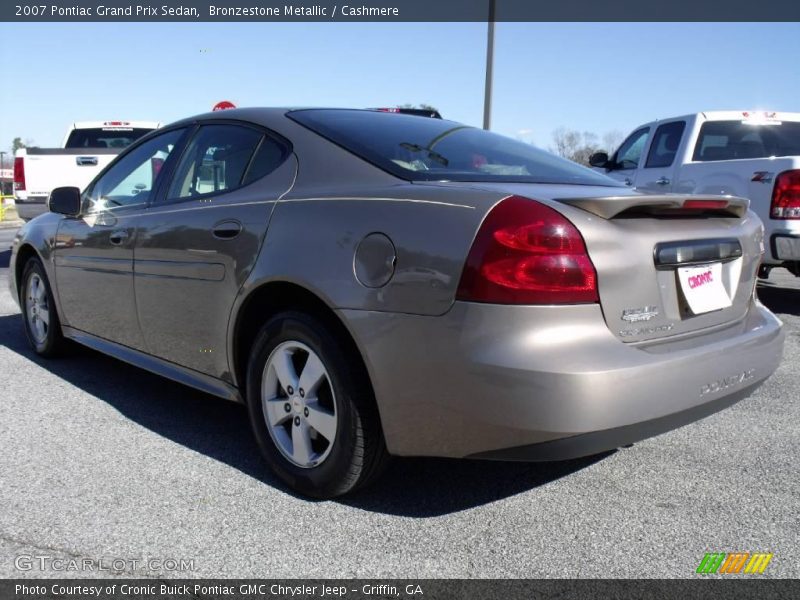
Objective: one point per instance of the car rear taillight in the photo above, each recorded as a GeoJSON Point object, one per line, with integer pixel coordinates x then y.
{"type": "Point", "coordinates": [786, 196]}
{"type": "Point", "coordinates": [19, 173]}
{"type": "Point", "coordinates": [528, 253]}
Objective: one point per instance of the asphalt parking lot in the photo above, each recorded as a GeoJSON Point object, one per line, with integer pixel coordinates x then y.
{"type": "Point", "coordinates": [101, 460]}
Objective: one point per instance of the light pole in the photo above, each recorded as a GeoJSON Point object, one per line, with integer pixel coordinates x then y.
{"type": "Point", "coordinates": [487, 98]}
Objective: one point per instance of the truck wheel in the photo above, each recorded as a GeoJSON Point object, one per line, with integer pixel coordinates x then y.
{"type": "Point", "coordinates": [312, 409]}
{"type": "Point", "coordinates": [42, 325]}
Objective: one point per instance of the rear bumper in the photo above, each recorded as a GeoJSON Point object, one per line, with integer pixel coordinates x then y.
{"type": "Point", "coordinates": [549, 383]}
{"type": "Point", "coordinates": [785, 246]}
{"type": "Point", "coordinates": [587, 444]}
{"type": "Point", "coordinates": [31, 207]}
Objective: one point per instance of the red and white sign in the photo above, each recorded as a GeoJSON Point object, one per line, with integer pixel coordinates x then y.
{"type": "Point", "coordinates": [703, 288]}
{"type": "Point", "coordinates": [223, 105]}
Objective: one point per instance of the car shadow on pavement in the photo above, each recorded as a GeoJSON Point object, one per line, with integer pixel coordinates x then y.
{"type": "Point", "coordinates": [429, 487]}
{"type": "Point", "coordinates": [5, 258]}
{"type": "Point", "coordinates": [779, 299]}
{"type": "Point", "coordinates": [418, 487]}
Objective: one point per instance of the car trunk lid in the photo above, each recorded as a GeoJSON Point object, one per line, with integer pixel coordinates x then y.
{"type": "Point", "coordinates": [667, 265]}
{"type": "Point", "coordinates": [670, 265]}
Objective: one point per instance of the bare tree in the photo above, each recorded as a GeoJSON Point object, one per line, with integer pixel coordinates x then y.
{"type": "Point", "coordinates": [578, 146]}
{"type": "Point", "coordinates": [574, 145]}
{"type": "Point", "coordinates": [612, 139]}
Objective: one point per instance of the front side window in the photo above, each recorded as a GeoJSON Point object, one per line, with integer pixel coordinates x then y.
{"type": "Point", "coordinates": [665, 144]}
{"type": "Point", "coordinates": [630, 152]}
{"type": "Point", "coordinates": [131, 179]}
{"type": "Point", "coordinates": [424, 149]}
{"type": "Point", "coordinates": [215, 161]}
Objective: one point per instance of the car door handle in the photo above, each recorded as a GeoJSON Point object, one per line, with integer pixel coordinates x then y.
{"type": "Point", "coordinates": [628, 181]}
{"type": "Point", "coordinates": [662, 181]}
{"type": "Point", "coordinates": [118, 237]}
{"type": "Point", "coordinates": [227, 230]}
{"type": "Point", "coordinates": [86, 161]}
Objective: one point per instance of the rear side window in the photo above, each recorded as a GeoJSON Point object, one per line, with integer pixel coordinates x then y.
{"type": "Point", "coordinates": [730, 140]}
{"type": "Point", "coordinates": [420, 149]}
{"type": "Point", "coordinates": [215, 161]}
{"type": "Point", "coordinates": [665, 144]}
{"type": "Point", "coordinates": [268, 157]}
{"type": "Point", "coordinates": [102, 137]}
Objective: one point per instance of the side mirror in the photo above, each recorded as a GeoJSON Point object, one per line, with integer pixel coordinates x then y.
{"type": "Point", "coordinates": [599, 159]}
{"type": "Point", "coordinates": [65, 201]}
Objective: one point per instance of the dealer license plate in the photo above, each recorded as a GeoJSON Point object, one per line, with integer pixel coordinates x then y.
{"type": "Point", "coordinates": [702, 287]}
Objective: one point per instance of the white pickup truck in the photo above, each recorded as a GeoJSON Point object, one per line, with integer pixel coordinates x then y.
{"type": "Point", "coordinates": [87, 148]}
{"type": "Point", "coordinates": [753, 154]}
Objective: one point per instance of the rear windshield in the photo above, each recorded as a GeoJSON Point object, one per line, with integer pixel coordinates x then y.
{"type": "Point", "coordinates": [729, 140]}
{"type": "Point", "coordinates": [101, 137]}
{"type": "Point", "coordinates": [422, 149]}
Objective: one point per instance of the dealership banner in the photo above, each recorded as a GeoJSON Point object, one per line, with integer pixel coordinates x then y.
{"type": "Point", "coordinates": [398, 10]}
{"type": "Point", "coordinates": [405, 589]}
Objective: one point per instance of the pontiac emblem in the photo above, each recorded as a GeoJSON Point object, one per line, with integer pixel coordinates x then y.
{"type": "Point", "coordinates": [634, 315]}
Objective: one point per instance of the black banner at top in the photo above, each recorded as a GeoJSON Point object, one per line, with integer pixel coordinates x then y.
{"type": "Point", "coordinates": [397, 10]}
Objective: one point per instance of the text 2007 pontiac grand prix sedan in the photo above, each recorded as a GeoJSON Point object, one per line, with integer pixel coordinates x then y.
{"type": "Point", "coordinates": [375, 284]}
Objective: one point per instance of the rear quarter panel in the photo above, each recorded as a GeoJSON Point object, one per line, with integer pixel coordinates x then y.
{"type": "Point", "coordinates": [312, 241]}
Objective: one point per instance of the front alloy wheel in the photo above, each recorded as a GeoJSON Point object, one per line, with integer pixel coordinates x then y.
{"type": "Point", "coordinates": [37, 308]}
{"type": "Point", "coordinates": [42, 325]}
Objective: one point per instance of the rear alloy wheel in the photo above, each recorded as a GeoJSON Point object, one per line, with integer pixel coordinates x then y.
{"type": "Point", "coordinates": [312, 409]}
{"type": "Point", "coordinates": [299, 405]}
{"type": "Point", "coordinates": [42, 326]}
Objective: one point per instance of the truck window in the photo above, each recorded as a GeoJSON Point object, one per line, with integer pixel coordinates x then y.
{"type": "Point", "coordinates": [729, 140]}
{"type": "Point", "coordinates": [129, 181]}
{"type": "Point", "coordinates": [630, 152]}
{"type": "Point", "coordinates": [104, 137]}
{"type": "Point", "coordinates": [665, 144]}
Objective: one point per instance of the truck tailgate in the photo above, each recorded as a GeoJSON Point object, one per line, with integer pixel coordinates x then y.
{"type": "Point", "coordinates": [47, 168]}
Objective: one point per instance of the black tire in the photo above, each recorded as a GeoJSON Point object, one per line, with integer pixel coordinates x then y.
{"type": "Point", "coordinates": [358, 453]}
{"type": "Point", "coordinates": [53, 343]}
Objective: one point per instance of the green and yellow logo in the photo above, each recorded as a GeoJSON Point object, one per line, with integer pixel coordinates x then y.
{"type": "Point", "coordinates": [734, 562]}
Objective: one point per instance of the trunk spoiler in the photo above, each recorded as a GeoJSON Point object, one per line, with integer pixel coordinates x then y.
{"type": "Point", "coordinates": [666, 205]}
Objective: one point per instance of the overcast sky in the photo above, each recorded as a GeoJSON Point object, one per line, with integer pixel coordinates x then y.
{"type": "Point", "coordinates": [586, 76]}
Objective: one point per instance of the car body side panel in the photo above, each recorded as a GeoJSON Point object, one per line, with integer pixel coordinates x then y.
{"type": "Point", "coordinates": [313, 241]}
{"type": "Point", "coordinates": [187, 279]}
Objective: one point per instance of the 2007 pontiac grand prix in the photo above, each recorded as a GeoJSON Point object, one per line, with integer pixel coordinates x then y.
{"type": "Point", "coordinates": [374, 284]}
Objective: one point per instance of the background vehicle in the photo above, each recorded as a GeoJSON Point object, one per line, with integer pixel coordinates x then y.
{"type": "Point", "coordinates": [373, 284]}
{"type": "Point", "coordinates": [87, 148]}
{"type": "Point", "coordinates": [419, 112]}
{"type": "Point", "coordinates": [753, 154]}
